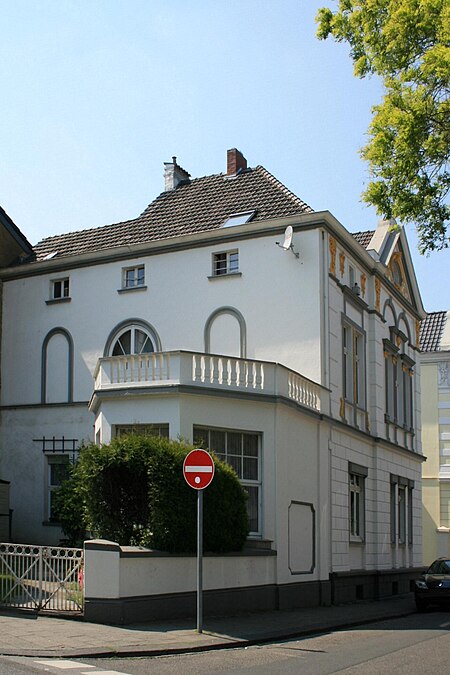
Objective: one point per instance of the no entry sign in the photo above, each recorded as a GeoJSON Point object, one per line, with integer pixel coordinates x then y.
{"type": "Point", "coordinates": [198, 469]}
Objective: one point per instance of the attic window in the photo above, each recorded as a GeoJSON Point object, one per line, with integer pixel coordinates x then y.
{"type": "Point", "coordinates": [49, 256]}
{"type": "Point", "coordinates": [239, 218]}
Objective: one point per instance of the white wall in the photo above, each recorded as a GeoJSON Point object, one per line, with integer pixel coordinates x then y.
{"type": "Point", "coordinates": [109, 575]}
{"type": "Point", "coordinates": [24, 464]}
{"type": "Point", "coordinates": [276, 294]}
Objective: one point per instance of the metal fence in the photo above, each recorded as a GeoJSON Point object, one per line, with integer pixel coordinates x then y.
{"type": "Point", "coordinates": [41, 578]}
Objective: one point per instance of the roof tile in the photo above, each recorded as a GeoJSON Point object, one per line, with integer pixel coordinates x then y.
{"type": "Point", "coordinates": [199, 205]}
{"type": "Point", "coordinates": [431, 330]}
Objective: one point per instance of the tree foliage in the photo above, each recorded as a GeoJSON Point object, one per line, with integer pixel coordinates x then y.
{"type": "Point", "coordinates": [132, 491]}
{"type": "Point", "coordinates": [407, 44]}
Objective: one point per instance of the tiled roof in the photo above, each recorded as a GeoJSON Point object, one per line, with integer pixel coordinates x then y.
{"type": "Point", "coordinates": [431, 330]}
{"type": "Point", "coordinates": [363, 238]}
{"type": "Point", "coordinates": [199, 205]}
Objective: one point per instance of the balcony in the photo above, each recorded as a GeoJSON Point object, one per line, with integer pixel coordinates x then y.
{"type": "Point", "coordinates": [208, 371]}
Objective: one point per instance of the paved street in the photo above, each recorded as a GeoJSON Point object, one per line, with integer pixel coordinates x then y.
{"type": "Point", "coordinates": [413, 645]}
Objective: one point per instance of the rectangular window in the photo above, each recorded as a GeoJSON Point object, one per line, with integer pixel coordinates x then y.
{"type": "Point", "coordinates": [226, 262]}
{"type": "Point", "coordinates": [60, 288]}
{"type": "Point", "coordinates": [357, 475]}
{"type": "Point", "coordinates": [401, 510]}
{"type": "Point", "coordinates": [410, 513]}
{"type": "Point", "coordinates": [57, 473]}
{"type": "Point", "coordinates": [161, 430]}
{"type": "Point", "coordinates": [399, 381]}
{"type": "Point", "coordinates": [391, 373]}
{"type": "Point", "coordinates": [354, 380]}
{"type": "Point", "coordinates": [401, 515]}
{"type": "Point", "coordinates": [242, 451]}
{"type": "Point", "coordinates": [407, 391]}
{"type": "Point", "coordinates": [132, 277]}
{"type": "Point", "coordinates": [351, 276]}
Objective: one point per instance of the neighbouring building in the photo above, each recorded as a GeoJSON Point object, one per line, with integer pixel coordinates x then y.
{"type": "Point", "coordinates": [435, 367]}
{"type": "Point", "coordinates": [229, 312]}
{"type": "Point", "coordinates": [14, 247]}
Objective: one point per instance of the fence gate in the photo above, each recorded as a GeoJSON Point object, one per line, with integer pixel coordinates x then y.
{"type": "Point", "coordinates": [41, 578]}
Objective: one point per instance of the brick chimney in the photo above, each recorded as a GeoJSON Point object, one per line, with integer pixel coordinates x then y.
{"type": "Point", "coordinates": [174, 175]}
{"type": "Point", "coordinates": [235, 162]}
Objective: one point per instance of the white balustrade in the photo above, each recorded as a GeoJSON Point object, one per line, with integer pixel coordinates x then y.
{"type": "Point", "coordinates": [207, 370]}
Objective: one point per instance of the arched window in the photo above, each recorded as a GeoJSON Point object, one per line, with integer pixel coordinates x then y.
{"type": "Point", "coordinates": [133, 336]}
{"type": "Point", "coordinates": [132, 340]}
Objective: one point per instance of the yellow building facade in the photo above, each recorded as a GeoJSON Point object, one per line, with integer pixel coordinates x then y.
{"type": "Point", "coordinates": [435, 395]}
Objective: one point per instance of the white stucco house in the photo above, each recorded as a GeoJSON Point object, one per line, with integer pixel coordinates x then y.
{"type": "Point", "coordinates": [231, 312]}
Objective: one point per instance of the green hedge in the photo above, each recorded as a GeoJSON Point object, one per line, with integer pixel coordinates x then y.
{"type": "Point", "coordinates": [132, 491]}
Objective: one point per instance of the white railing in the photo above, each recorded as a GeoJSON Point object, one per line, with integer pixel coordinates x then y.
{"type": "Point", "coordinates": [227, 371]}
{"type": "Point", "coordinates": [208, 370]}
{"type": "Point", "coordinates": [304, 391]}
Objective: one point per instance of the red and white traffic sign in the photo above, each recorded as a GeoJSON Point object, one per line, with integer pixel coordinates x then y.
{"type": "Point", "coordinates": [198, 469]}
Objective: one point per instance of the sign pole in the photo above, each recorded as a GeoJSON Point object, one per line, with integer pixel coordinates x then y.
{"type": "Point", "coordinates": [200, 561]}
{"type": "Point", "coordinates": [198, 472]}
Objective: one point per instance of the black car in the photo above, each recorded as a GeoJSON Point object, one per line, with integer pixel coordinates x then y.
{"type": "Point", "coordinates": [433, 587]}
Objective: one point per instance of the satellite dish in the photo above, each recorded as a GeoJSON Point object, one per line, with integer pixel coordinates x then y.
{"type": "Point", "coordinates": [287, 243]}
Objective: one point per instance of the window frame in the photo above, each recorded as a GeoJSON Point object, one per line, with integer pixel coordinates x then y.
{"type": "Point", "coordinates": [401, 509]}
{"type": "Point", "coordinates": [198, 435]}
{"type": "Point", "coordinates": [132, 328]}
{"type": "Point", "coordinates": [227, 265]}
{"type": "Point", "coordinates": [52, 460]}
{"type": "Point", "coordinates": [357, 502]}
{"type": "Point", "coordinates": [61, 295]}
{"type": "Point", "coordinates": [353, 364]}
{"type": "Point", "coordinates": [160, 429]}
{"type": "Point", "coordinates": [138, 283]}
{"type": "Point", "coordinates": [399, 386]}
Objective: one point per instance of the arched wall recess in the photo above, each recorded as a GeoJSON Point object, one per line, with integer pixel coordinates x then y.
{"type": "Point", "coordinates": [403, 325]}
{"type": "Point", "coordinates": [59, 331]}
{"type": "Point", "coordinates": [388, 308]}
{"type": "Point", "coordinates": [236, 314]}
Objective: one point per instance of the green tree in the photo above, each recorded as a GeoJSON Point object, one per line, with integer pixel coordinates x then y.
{"type": "Point", "coordinates": [407, 44]}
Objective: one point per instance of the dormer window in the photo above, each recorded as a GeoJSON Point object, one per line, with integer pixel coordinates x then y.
{"type": "Point", "coordinates": [238, 218]}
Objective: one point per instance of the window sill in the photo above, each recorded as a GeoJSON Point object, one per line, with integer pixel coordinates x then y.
{"type": "Point", "coordinates": [401, 427]}
{"type": "Point", "coordinates": [57, 301]}
{"type": "Point", "coordinates": [213, 277]}
{"type": "Point", "coordinates": [131, 289]}
{"type": "Point", "coordinates": [356, 541]}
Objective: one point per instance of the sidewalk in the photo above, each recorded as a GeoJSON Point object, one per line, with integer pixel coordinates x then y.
{"type": "Point", "coordinates": [45, 636]}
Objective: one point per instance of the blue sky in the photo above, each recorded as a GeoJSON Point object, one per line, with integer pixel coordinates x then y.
{"type": "Point", "coordinates": [97, 94]}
